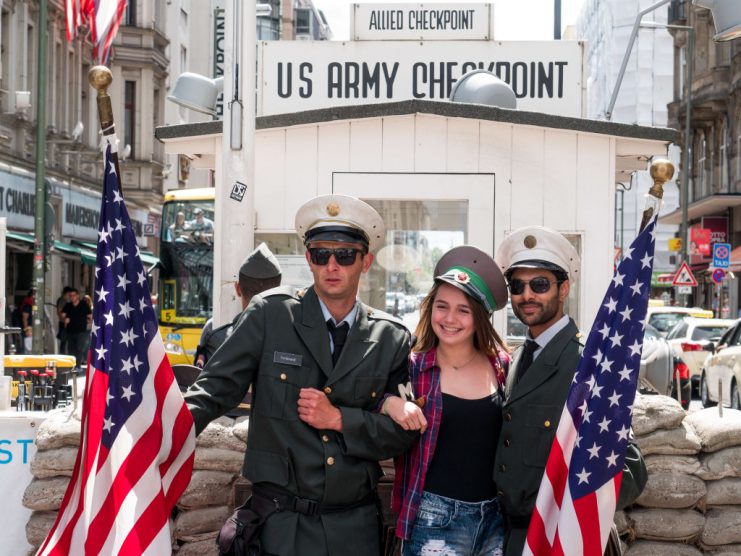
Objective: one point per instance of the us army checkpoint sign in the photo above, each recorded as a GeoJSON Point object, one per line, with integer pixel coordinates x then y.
{"type": "Point", "coordinates": [546, 76]}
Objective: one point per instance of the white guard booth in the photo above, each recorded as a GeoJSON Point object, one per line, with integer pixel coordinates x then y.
{"type": "Point", "coordinates": [441, 174]}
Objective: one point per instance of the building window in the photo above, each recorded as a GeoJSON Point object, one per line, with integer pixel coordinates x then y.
{"type": "Point", "coordinates": [129, 115]}
{"type": "Point", "coordinates": [701, 159]}
{"type": "Point", "coordinates": [129, 16]}
{"type": "Point", "coordinates": [723, 186]}
{"type": "Point", "coordinates": [303, 21]}
{"type": "Point", "coordinates": [4, 59]}
{"type": "Point", "coordinates": [681, 71]}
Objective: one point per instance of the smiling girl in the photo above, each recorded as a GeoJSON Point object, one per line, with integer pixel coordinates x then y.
{"type": "Point", "coordinates": [443, 490]}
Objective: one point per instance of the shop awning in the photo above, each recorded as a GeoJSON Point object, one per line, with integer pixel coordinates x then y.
{"type": "Point", "coordinates": [19, 236]}
{"type": "Point", "coordinates": [149, 259]}
{"type": "Point", "coordinates": [85, 254]}
{"type": "Point", "coordinates": [735, 260]}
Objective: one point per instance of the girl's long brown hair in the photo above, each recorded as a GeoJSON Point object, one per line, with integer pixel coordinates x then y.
{"type": "Point", "coordinates": [485, 338]}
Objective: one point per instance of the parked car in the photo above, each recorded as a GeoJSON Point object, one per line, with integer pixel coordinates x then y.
{"type": "Point", "coordinates": [692, 338]}
{"type": "Point", "coordinates": [665, 318]}
{"type": "Point", "coordinates": [724, 366]}
{"type": "Point", "coordinates": [657, 363]}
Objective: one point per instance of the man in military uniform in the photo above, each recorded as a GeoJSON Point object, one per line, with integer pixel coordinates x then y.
{"type": "Point", "coordinates": [539, 264]}
{"type": "Point", "coordinates": [319, 361]}
{"type": "Point", "coordinates": [260, 271]}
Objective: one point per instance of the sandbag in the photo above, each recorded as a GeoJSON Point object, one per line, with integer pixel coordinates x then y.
{"type": "Point", "coordinates": [207, 488]}
{"type": "Point", "coordinates": [60, 461]}
{"type": "Point", "coordinates": [661, 463]}
{"type": "Point", "coordinates": [241, 427]}
{"type": "Point", "coordinates": [218, 459]}
{"type": "Point", "coordinates": [206, 547]}
{"type": "Point", "coordinates": [45, 494]}
{"type": "Point", "coordinates": [193, 523]}
{"type": "Point", "coordinates": [681, 440]}
{"type": "Point", "coordinates": [218, 434]}
{"type": "Point", "coordinates": [654, 548]}
{"type": "Point", "coordinates": [724, 491]}
{"type": "Point", "coordinates": [720, 464]}
{"type": "Point", "coordinates": [666, 524]}
{"type": "Point", "coordinates": [716, 433]}
{"type": "Point", "coordinates": [38, 526]}
{"type": "Point", "coordinates": [59, 429]}
{"type": "Point", "coordinates": [722, 526]}
{"type": "Point", "coordinates": [651, 413]}
{"type": "Point", "coordinates": [671, 490]}
{"type": "Point", "coordinates": [621, 521]}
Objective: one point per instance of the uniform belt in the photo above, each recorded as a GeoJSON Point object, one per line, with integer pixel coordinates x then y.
{"type": "Point", "coordinates": [286, 502]}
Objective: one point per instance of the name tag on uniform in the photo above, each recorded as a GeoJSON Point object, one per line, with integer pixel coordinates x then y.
{"type": "Point", "coordinates": [287, 358]}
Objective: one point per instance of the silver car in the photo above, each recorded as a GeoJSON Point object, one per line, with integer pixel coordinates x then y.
{"type": "Point", "coordinates": [722, 371]}
{"type": "Point", "coordinates": [657, 363]}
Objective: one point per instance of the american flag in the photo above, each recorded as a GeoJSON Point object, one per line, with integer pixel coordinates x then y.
{"type": "Point", "coordinates": [104, 18]}
{"type": "Point", "coordinates": [137, 441]}
{"type": "Point", "coordinates": [578, 494]}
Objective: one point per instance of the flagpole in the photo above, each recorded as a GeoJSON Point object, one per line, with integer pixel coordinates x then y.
{"type": "Point", "coordinates": [662, 171]}
{"type": "Point", "coordinates": [100, 78]}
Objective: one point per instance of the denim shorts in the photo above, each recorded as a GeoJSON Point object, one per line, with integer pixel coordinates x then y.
{"type": "Point", "coordinates": [447, 527]}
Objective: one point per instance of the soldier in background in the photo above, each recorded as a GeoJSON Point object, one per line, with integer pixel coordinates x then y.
{"type": "Point", "coordinates": [259, 272]}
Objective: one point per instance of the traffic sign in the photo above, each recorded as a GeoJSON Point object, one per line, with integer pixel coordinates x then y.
{"type": "Point", "coordinates": [684, 290]}
{"type": "Point", "coordinates": [684, 276]}
{"type": "Point", "coordinates": [718, 275]}
{"type": "Point", "coordinates": [721, 255]}
{"type": "Point", "coordinates": [675, 244]}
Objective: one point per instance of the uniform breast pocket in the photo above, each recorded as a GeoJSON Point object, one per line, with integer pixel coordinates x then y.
{"type": "Point", "coordinates": [277, 391]}
{"type": "Point", "coordinates": [541, 422]}
{"type": "Point", "coordinates": [368, 390]}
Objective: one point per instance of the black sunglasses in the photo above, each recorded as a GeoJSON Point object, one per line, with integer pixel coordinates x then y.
{"type": "Point", "coordinates": [541, 284]}
{"type": "Point", "coordinates": [345, 256]}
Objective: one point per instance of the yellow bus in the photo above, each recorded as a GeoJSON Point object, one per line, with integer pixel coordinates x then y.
{"type": "Point", "coordinates": [186, 270]}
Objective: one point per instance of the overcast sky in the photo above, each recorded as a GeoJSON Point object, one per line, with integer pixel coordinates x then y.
{"type": "Point", "coordinates": [513, 19]}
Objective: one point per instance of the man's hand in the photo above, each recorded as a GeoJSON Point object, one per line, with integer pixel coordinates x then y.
{"type": "Point", "coordinates": [315, 409]}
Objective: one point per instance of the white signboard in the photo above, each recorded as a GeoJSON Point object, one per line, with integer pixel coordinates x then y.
{"type": "Point", "coordinates": [17, 448]}
{"type": "Point", "coordinates": [417, 22]}
{"type": "Point", "coordinates": [546, 76]}
{"type": "Point", "coordinates": [17, 201]}
{"type": "Point", "coordinates": [81, 215]}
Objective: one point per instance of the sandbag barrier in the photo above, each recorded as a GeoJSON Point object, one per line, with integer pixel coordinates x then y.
{"type": "Point", "coordinates": [691, 504]}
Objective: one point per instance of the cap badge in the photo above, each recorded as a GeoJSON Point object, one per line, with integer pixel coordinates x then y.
{"type": "Point", "coordinates": [333, 209]}
{"type": "Point", "coordinates": [462, 277]}
{"type": "Point", "coordinates": [530, 242]}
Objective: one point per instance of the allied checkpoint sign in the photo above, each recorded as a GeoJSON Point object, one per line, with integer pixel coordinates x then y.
{"type": "Point", "coordinates": [421, 22]}
{"type": "Point", "coordinates": [546, 76]}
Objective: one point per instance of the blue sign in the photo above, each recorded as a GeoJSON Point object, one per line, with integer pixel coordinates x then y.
{"type": "Point", "coordinates": [721, 255]}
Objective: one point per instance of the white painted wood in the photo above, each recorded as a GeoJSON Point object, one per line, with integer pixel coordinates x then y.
{"type": "Point", "coordinates": [333, 153]}
{"type": "Point", "coordinates": [300, 166]}
{"type": "Point", "coordinates": [270, 185]}
{"type": "Point", "coordinates": [559, 184]}
{"type": "Point", "coordinates": [398, 143]}
{"type": "Point", "coordinates": [430, 143]}
{"type": "Point", "coordinates": [366, 153]}
{"type": "Point", "coordinates": [527, 176]}
{"type": "Point", "coordinates": [463, 145]}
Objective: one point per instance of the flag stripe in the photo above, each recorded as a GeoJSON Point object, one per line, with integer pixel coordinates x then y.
{"type": "Point", "coordinates": [137, 436]}
{"type": "Point", "coordinates": [578, 494]}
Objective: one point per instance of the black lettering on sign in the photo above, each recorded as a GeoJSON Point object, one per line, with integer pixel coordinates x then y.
{"type": "Point", "coordinates": [353, 80]}
{"type": "Point", "coordinates": [386, 20]}
{"type": "Point", "coordinates": [304, 71]}
{"type": "Point", "coordinates": [284, 80]}
{"type": "Point", "coordinates": [81, 216]}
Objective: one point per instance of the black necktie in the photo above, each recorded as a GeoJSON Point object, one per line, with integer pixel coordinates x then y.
{"type": "Point", "coordinates": [339, 335]}
{"type": "Point", "coordinates": [526, 358]}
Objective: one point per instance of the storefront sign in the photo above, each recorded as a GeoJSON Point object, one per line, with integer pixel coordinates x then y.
{"type": "Point", "coordinates": [716, 227]}
{"type": "Point", "coordinates": [81, 215]}
{"type": "Point", "coordinates": [546, 76]}
{"type": "Point", "coordinates": [17, 201]}
{"type": "Point", "coordinates": [417, 22]}
{"type": "Point", "coordinates": [700, 244]}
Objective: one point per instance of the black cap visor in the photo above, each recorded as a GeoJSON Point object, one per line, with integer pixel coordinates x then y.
{"type": "Point", "coordinates": [341, 234]}
{"type": "Point", "coordinates": [560, 273]}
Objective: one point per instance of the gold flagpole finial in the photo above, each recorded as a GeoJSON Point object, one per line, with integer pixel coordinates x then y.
{"type": "Point", "coordinates": [662, 171]}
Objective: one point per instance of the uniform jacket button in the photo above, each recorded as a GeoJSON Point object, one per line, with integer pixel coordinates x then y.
{"type": "Point", "coordinates": [500, 493]}
{"type": "Point", "coordinates": [283, 376]}
{"type": "Point", "coordinates": [373, 394]}
{"type": "Point", "coordinates": [547, 424]}
{"type": "Point", "coordinates": [502, 468]}
{"type": "Point", "coordinates": [330, 460]}
{"type": "Point", "coordinates": [508, 416]}
{"type": "Point", "coordinates": [327, 390]}
{"type": "Point", "coordinates": [325, 438]}
{"type": "Point", "coordinates": [507, 443]}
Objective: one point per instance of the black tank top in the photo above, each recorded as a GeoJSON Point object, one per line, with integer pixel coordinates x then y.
{"type": "Point", "coordinates": [463, 464]}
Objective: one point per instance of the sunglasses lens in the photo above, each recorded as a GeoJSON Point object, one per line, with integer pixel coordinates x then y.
{"type": "Point", "coordinates": [516, 287]}
{"type": "Point", "coordinates": [540, 285]}
{"type": "Point", "coordinates": [344, 257]}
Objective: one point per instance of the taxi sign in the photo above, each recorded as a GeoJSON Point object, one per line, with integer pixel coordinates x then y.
{"type": "Point", "coordinates": [684, 276]}
{"type": "Point", "coordinates": [721, 255]}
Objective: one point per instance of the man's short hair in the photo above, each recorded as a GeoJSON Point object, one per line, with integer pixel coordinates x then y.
{"type": "Point", "coordinates": [250, 287]}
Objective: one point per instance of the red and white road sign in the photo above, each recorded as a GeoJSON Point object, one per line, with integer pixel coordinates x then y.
{"type": "Point", "coordinates": [684, 276]}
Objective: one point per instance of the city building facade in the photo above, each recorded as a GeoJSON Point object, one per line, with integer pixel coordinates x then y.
{"type": "Point", "coordinates": [714, 167]}
{"type": "Point", "coordinates": [642, 99]}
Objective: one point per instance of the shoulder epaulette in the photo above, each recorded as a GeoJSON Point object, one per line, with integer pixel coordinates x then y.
{"type": "Point", "coordinates": [377, 314]}
{"type": "Point", "coordinates": [287, 291]}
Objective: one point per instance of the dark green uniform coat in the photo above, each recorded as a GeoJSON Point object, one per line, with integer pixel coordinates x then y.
{"type": "Point", "coordinates": [531, 414]}
{"type": "Point", "coordinates": [280, 345]}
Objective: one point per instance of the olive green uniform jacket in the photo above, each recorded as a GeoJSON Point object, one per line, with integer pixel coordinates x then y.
{"type": "Point", "coordinates": [531, 414]}
{"type": "Point", "coordinates": [281, 345]}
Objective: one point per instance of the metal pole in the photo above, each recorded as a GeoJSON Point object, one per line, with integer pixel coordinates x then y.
{"type": "Point", "coordinates": [557, 20]}
{"type": "Point", "coordinates": [39, 247]}
{"type": "Point", "coordinates": [621, 73]}
{"type": "Point", "coordinates": [684, 197]}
